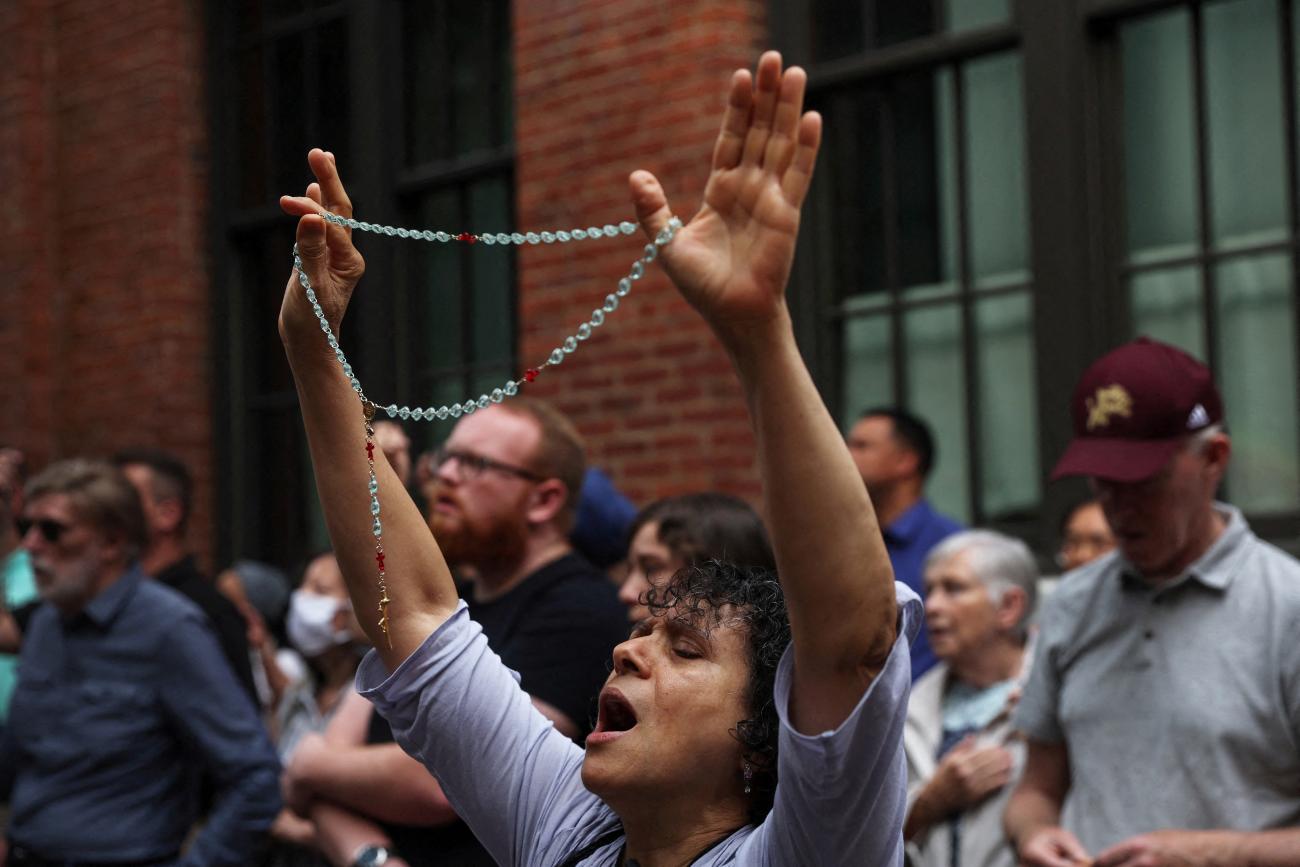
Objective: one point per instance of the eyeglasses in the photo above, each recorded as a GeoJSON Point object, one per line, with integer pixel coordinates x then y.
{"type": "Point", "coordinates": [51, 531]}
{"type": "Point", "coordinates": [471, 466]}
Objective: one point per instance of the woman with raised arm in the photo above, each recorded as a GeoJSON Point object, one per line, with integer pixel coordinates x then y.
{"type": "Point", "coordinates": [746, 722]}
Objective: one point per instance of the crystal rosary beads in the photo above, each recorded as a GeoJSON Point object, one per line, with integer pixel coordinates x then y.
{"type": "Point", "coordinates": [508, 389]}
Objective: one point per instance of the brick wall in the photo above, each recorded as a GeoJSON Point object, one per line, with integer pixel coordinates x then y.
{"type": "Point", "coordinates": [103, 270]}
{"type": "Point", "coordinates": [603, 88]}
{"type": "Point", "coordinates": [104, 278]}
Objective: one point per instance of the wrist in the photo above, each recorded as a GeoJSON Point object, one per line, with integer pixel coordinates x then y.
{"type": "Point", "coordinates": [374, 855]}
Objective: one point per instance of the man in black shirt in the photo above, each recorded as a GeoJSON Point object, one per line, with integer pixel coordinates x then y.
{"type": "Point", "coordinates": [165, 487]}
{"type": "Point", "coordinates": [502, 495]}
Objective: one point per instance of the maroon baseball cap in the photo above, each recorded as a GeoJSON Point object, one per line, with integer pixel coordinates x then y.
{"type": "Point", "coordinates": [1133, 409]}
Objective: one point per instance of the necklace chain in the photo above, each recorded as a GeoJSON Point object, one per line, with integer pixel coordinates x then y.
{"type": "Point", "coordinates": [509, 389]}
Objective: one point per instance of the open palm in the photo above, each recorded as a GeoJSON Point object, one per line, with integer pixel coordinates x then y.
{"type": "Point", "coordinates": [733, 259]}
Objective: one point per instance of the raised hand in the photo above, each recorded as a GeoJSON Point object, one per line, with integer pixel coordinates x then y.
{"type": "Point", "coordinates": [732, 260]}
{"type": "Point", "coordinates": [332, 263]}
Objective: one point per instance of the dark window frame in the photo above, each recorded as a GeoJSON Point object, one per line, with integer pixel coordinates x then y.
{"type": "Point", "coordinates": [1077, 254]}
{"type": "Point", "coordinates": [376, 335]}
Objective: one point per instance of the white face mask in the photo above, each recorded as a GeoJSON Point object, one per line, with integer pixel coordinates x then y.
{"type": "Point", "coordinates": [311, 623]}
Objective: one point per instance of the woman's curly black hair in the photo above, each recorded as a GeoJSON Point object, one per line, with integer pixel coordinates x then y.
{"type": "Point", "coordinates": [712, 593]}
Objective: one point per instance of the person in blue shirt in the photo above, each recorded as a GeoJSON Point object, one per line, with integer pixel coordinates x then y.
{"type": "Point", "coordinates": [123, 696]}
{"type": "Point", "coordinates": [894, 452]}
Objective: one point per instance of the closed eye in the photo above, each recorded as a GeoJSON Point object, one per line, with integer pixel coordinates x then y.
{"type": "Point", "coordinates": [687, 653]}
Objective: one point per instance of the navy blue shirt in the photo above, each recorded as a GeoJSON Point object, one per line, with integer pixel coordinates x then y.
{"type": "Point", "coordinates": [115, 712]}
{"type": "Point", "coordinates": [908, 540]}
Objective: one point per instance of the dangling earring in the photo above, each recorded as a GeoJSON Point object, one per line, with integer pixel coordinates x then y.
{"type": "Point", "coordinates": [749, 777]}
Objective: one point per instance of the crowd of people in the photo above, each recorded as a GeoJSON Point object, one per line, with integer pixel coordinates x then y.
{"type": "Point", "coordinates": [843, 675]}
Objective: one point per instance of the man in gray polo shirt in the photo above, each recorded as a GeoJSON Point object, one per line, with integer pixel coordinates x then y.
{"type": "Point", "coordinates": [1163, 712]}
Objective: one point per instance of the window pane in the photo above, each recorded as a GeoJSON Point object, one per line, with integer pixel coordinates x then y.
{"type": "Point", "coordinates": [492, 270]}
{"type": "Point", "coordinates": [936, 392]}
{"type": "Point", "coordinates": [1167, 306]}
{"type": "Point", "coordinates": [292, 124]}
{"type": "Point", "coordinates": [1243, 85]}
{"type": "Point", "coordinates": [925, 176]}
{"type": "Point", "coordinates": [1256, 313]}
{"type": "Point", "coordinates": [254, 174]}
{"type": "Point", "coordinates": [844, 27]}
{"type": "Point", "coordinates": [1159, 137]}
{"type": "Point", "coordinates": [436, 286]}
{"type": "Point", "coordinates": [995, 160]}
{"type": "Point", "coordinates": [868, 367]}
{"type": "Point", "coordinates": [428, 109]}
{"type": "Point", "coordinates": [472, 66]}
{"type": "Point", "coordinates": [972, 14]}
{"type": "Point", "coordinates": [856, 195]}
{"type": "Point", "coordinates": [1008, 417]}
{"type": "Point", "coordinates": [335, 89]}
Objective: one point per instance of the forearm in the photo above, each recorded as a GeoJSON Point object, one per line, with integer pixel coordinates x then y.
{"type": "Point", "coordinates": [1244, 848]}
{"type": "Point", "coordinates": [382, 783]}
{"type": "Point", "coordinates": [418, 581]}
{"type": "Point", "coordinates": [927, 810]}
{"type": "Point", "coordinates": [239, 823]}
{"type": "Point", "coordinates": [340, 833]}
{"type": "Point", "coordinates": [1029, 810]}
{"type": "Point", "coordinates": [830, 555]}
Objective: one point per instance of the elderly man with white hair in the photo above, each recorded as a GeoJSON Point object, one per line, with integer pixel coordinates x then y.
{"type": "Point", "coordinates": [979, 595]}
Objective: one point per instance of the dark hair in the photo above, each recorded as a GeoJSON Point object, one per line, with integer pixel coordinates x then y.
{"type": "Point", "coordinates": [100, 495]}
{"type": "Point", "coordinates": [709, 526]}
{"type": "Point", "coordinates": [716, 592]}
{"type": "Point", "coordinates": [1075, 507]}
{"type": "Point", "coordinates": [912, 432]}
{"type": "Point", "coordinates": [170, 478]}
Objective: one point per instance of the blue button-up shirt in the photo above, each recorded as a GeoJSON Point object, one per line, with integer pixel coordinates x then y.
{"type": "Point", "coordinates": [909, 539]}
{"type": "Point", "coordinates": [115, 712]}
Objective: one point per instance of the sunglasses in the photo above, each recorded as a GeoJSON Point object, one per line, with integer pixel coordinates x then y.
{"type": "Point", "coordinates": [51, 531]}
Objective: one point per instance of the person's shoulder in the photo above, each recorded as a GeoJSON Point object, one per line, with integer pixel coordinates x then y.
{"type": "Point", "coordinates": [571, 589]}
{"type": "Point", "coordinates": [1277, 568]}
{"type": "Point", "coordinates": [152, 599]}
{"type": "Point", "coordinates": [1082, 589]}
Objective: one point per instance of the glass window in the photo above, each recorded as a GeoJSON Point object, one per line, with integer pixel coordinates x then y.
{"type": "Point", "coordinates": [936, 391]}
{"type": "Point", "coordinates": [1256, 313]}
{"type": "Point", "coordinates": [1167, 305]}
{"type": "Point", "coordinates": [994, 141]}
{"type": "Point", "coordinates": [923, 196]}
{"type": "Point", "coordinates": [1159, 137]}
{"type": "Point", "coordinates": [1246, 145]}
{"type": "Point", "coordinates": [459, 135]}
{"type": "Point", "coordinates": [841, 28]}
{"type": "Point", "coordinates": [290, 85]}
{"type": "Point", "coordinates": [1210, 265]}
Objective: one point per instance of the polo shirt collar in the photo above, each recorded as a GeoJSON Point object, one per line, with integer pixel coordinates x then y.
{"type": "Point", "coordinates": [1215, 568]}
{"type": "Point", "coordinates": [103, 608]}
{"type": "Point", "coordinates": [907, 525]}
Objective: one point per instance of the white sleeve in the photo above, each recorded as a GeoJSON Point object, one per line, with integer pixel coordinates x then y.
{"type": "Point", "coordinates": [841, 796]}
{"type": "Point", "coordinates": [515, 780]}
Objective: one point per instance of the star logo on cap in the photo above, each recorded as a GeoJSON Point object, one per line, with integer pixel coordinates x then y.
{"type": "Point", "coordinates": [1110, 401]}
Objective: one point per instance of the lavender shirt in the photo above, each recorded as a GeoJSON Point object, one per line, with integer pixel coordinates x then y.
{"type": "Point", "coordinates": [452, 704]}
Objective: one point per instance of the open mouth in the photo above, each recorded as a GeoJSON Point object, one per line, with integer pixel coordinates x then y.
{"type": "Point", "coordinates": [616, 717]}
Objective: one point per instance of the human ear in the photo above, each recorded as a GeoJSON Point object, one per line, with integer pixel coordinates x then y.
{"type": "Point", "coordinates": [546, 501]}
{"type": "Point", "coordinates": [1011, 608]}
